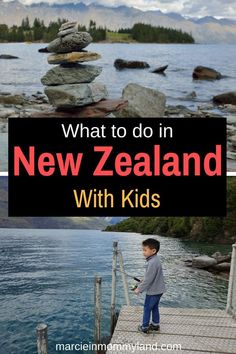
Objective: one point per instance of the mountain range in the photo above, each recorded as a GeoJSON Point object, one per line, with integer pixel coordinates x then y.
{"type": "Point", "coordinates": [98, 223]}
{"type": "Point", "coordinates": [204, 30]}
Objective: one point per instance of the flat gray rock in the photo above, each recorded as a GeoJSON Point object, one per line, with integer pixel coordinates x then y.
{"type": "Point", "coordinates": [203, 262]}
{"type": "Point", "coordinates": [222, 267]}
{"type": "Point", "coordinates": [73, 42]}
{"type": "Point", "coordinates": [71, 74]}
{"type": "Point", "coordinates": [72, 96]}
{"type": "Point", "coordinates": [232, 139]}
{"type": "Point", "coordinates": [143, 102]}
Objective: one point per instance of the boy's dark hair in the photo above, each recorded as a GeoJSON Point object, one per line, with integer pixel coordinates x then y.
{"type": "Point", "coordinates": [152, 243]}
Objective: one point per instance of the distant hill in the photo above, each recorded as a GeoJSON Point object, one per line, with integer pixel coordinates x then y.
{"type": "Point", "coordinates": [205, 30]}
{"type": "Point", "coordinates": [47, 222]}
{"type": "Point", "coordinates": [208, 229]}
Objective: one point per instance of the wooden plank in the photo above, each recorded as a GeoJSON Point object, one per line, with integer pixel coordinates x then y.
{"type": "Point", "coordinates": [113, 288]}
{"type": "Point", "coordinates": [181, 311]}
{"type": "Point", "coordinates": [183, 329]}
{"type": "Point", "coordinates": [190, 320]}
{"type": "Point", "coordinates": [198, 331]}
{"type": "Point", "coordinates": [212, 345]}
{"type": "Point", "coordinates": [97, 310]}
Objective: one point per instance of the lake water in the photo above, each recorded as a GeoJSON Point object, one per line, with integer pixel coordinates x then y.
{"type": "Point", "coordinates": [24, 75]}
{"type": "Point", "coordinates": [48, 276]}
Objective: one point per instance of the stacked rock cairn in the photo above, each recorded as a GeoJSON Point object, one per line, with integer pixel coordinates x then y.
{"type": "Point", "coordinates": [69, 84]}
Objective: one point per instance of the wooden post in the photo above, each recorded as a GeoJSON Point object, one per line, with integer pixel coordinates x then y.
{"type": "Point", "coordinates": [231, 300]}
{"type": "Point", "coordinates": [124, 278]}
{"type": "Point", "coordinates": [113, 288]}
{"type": "Point", "coordinates": [97, 310]}
{"type": "Point", "coordinates": [42, 338]}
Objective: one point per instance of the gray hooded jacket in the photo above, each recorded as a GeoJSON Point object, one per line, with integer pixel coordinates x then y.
{"type": "Point", "coordinates": [153, 282]}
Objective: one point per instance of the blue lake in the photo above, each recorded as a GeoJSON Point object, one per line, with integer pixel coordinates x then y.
{"type": "Point", "coordinates": [23, 75]}
{"type": "Point", "coordinates": [48, 276]}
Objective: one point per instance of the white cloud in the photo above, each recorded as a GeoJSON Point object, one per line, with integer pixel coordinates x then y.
{"type": "Point", "coordinates": [211, 8]}
{"type": "Point", "coordinates": [195, 8]}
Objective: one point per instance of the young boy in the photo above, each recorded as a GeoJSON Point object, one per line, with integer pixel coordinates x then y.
{"type": "Point", "coordinates": [154, 286]}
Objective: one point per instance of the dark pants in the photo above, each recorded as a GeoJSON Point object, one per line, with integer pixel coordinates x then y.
{"type": "Point", "coordinates": [151, 306]}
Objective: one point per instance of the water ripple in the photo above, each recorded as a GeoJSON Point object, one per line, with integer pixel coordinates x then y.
{"type": "Point", "coordinates": [48, 276]}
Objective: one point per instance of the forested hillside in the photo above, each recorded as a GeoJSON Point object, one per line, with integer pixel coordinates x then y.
{"type": "Point", "coordinates": [209, 229]}
{"type": "Point", "coordinates": [38, 31]}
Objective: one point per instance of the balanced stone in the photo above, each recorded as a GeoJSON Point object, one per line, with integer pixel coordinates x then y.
{"type": "Point", "coordinates": [66, 32]}
{"type": "Point", "coordinates": [67, 29]}
{"type": "Point", "coordinates": [95, 110]}
{"type": "Point", "coordinates": [71, 74]}
{"type": "Point", "coordinates": [75, 41]}
{"type": "Point", "coordinates": [72, 96]}
{"type": "Point", "coordinates": [67, 25]}
{"type": "Point", "coordinates": [72, 57]}
{"type": "Point", "coordinates": [69, 85]}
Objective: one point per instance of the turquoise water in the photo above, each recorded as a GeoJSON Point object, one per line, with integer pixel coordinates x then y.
{"type": "Point", "coordinates": [48, 276]}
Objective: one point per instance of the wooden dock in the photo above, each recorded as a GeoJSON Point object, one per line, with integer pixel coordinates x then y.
{"type": "Point", "coordinates": [198, 331]}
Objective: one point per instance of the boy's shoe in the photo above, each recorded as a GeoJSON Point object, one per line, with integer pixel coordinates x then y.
{"type": "Point", "coordinates": [154, 328]}
{"type": "Point", "coordinates": [143, 330]}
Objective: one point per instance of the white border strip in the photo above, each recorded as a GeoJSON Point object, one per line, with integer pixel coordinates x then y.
{"type": "Point", "coordinates": [229, 174]}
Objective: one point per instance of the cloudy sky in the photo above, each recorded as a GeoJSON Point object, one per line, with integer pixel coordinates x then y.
{"type": "Point", "coordinates": [195, 8]}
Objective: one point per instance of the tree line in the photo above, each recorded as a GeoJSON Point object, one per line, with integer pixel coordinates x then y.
{"type": "Point", "coordinates": [38, 31]}
{"type": "Point", "coordinates": [206, 229]}
{"type": "Point", "coordinates": [157, 34]}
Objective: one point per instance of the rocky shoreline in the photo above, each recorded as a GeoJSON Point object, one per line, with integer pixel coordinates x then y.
{"type": "Point", "coordinates": [217, 263]}
{"type": "Point", "coordinates": [36, 105]}
{"type": "Point", "coordinates": [22, 105]}
{"type": "Point", "coordinates": [70, 90]}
